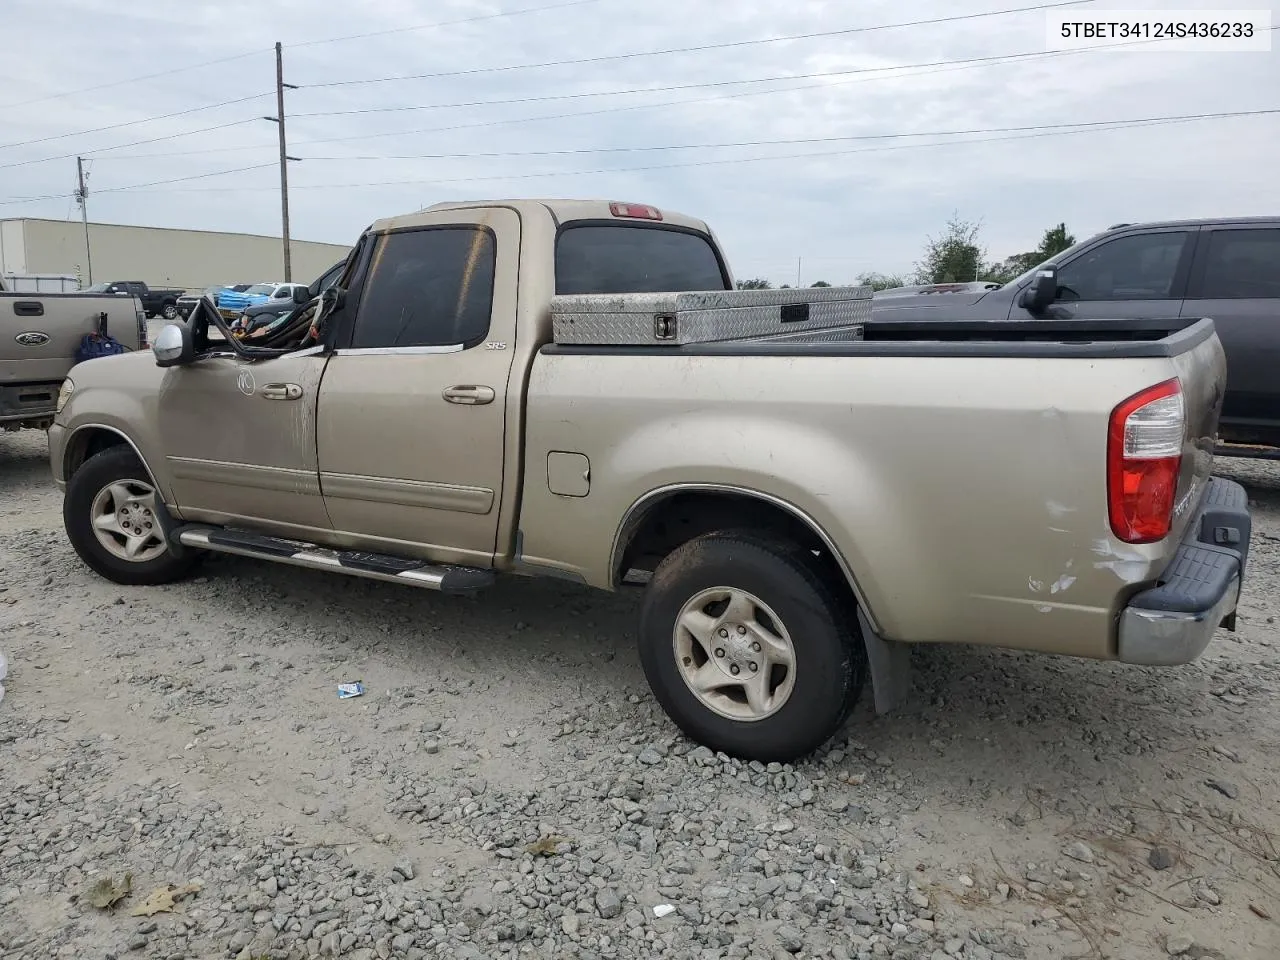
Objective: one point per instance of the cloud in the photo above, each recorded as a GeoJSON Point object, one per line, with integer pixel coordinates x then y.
{"type": "Point", "coordinates": [869, 208]}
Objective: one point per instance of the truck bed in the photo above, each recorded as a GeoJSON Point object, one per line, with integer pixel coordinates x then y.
{"type": "Point", "coordinates": [962, 468]}
{"type": "Point", "coordinates": [1131, 338]}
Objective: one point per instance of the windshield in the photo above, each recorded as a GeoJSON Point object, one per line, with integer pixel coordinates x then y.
{"type": "Point", "coordinates": [261, 288]}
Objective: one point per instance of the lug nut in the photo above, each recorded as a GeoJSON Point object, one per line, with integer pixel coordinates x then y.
{"type": "Point", "coordinates": [754, 666]}
{"type": "Point", "coordinates": [734, 670]}
{"type": "Point", "coordinates": [741, 630]}
{"type": "Point", "coordinates": [724, 633]}
{"type": "Point", "coordinates": [720, 651]}
{"type": "Point", "coordinates": [756, 646]}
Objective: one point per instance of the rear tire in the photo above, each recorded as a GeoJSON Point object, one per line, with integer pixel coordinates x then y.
{"type": "Point", "coordinates": [110, 513]}
{"type": "Point", "coordinates": [169, 311]}
{"type": "Point", "coordinates": [749, 648]}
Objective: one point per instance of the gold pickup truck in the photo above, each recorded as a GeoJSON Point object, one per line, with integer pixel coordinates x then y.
{"type": "Point", "coordinates": [39, 334]}
{"type": "Point", "coordinates": [798, 506]}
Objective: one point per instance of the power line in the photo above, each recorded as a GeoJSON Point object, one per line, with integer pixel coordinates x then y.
{"type": "Point", "coordinates": [139, 143]}
{"type": "Point", "coordinates": [1046, 130]}
{"type": "Point", "coordinates": [948, 65]}
{"type": "Point", "coordinates": [185, 68]}
{"type": "Point", "coordinates": [860, 74]}
{"type": "Point", "coordinates": [307, 43]}
{"type": "Point", "coordinates": [702, 48]}
{"type": "Point", "coordinates": [631, 91]}
{"type": "Point", "coordinates": [798, 140]}
{"type": "Point", "coordinates": [448, 23]}
{"type": "Point", "coordinates": [153, 183]}
{"type": "Point", "coordinates": [961, 65]}
{"type": "Point", "coordinates": [942, 66]}
{"type": "Point", "coordinates": [134, 123]}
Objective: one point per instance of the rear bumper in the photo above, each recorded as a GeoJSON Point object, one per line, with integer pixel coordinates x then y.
{"type": "Point", "coordinates": [1174, 622]}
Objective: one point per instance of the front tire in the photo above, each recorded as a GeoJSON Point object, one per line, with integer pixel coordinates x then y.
{"type": "Point", "coordinates": [110, 513]}
{"type": "Point", "coordinates": [169, 311]}
{"type": "Point", "coordinates": [748, 647]}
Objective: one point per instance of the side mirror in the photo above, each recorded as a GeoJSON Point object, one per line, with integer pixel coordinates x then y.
{"type": "Point", "coordinates": [301, 295]}
{"type": "Point", "coordinates": [174, 346]}
{"type": "Point", "coordinates": [1042, 292]}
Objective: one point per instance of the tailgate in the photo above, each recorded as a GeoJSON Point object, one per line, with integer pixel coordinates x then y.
{"type": "Point", "coordinates": [39, 334]}
{"type": "Point", "coordinates": [1202, 371]}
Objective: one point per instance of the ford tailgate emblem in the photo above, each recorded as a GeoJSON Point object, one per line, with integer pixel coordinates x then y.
{"type": "Point", "coordinates": [32, 338]}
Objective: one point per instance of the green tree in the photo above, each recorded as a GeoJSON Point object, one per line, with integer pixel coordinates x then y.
{"type": "Point", "coordinates": [881, 281]}
{"type": "Point", "coordinates": [1055, 240]}
{"type": "Point", "coordinates": [821, 283]}
{"type": "Point", "coordinates": [955, 257]}
{"type": "Point", "coordinates": [756, 284]}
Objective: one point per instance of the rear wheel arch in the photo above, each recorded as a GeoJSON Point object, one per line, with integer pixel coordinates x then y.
{"type": "Point", "coordinates": [666, 518]}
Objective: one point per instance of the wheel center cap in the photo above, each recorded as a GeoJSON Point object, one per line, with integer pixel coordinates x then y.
{"type": "Point", "coordinates": [736, 652]}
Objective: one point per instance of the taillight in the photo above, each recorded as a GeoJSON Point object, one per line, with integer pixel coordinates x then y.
{"type": "Point", "coordinates": [1144, 458]}
{"type": "Point", "coordinates": [635, 211]}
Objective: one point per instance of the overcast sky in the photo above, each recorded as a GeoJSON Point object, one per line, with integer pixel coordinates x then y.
{"type": "Point", "coordinates": [866, 204]}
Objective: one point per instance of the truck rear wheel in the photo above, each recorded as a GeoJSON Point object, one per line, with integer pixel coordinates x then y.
{"type": "Point", "coordinates": [110, 513]}
{"type": "Point", "coordinates": [748, 647]}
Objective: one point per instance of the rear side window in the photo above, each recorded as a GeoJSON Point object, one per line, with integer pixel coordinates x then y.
{"type": "Point", "coordinates": [1242, 264]}
{"type": "Point", "coordinates": [1141, 266]}
{"type": "Point", "coordinates": [428, 288]}
{"type": "Point", "coordinates": [608, 258]}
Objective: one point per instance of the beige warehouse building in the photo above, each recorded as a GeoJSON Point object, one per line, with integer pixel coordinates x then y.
{"type": "Point", "coordinates": [158, 256]}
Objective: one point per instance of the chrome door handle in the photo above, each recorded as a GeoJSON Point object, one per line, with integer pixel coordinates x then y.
{"type": "Point", "coordinates": [281, 391]}
{"type": "Point", "coordinates": [469, 394]}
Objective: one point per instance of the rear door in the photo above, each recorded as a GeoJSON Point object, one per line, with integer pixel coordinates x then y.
{"type": "Point", "coordinates": [412, 416]}
{"type": "Point", "coordinates": [1235, 280]}
{"type": "Point", "coordinates": [1141, 274]}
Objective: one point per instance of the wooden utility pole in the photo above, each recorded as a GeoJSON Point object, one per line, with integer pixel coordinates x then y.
{"type": "Point", "coordinates": [82, 197]}
{"type": "Point", "coordinates": [284, 163]}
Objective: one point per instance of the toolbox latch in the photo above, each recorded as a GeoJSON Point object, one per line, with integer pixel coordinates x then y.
{"type": "Point", "coordinates": [664, 326]}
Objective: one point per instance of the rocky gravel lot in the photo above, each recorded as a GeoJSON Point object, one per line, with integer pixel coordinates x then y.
{"type": "Point", "coordinates": [507, 787]}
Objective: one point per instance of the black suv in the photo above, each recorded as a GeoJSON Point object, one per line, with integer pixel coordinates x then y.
{"type": "Point", "coordinates": [1225, 269]}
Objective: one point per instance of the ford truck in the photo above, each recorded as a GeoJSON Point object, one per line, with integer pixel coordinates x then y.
{"type": "Point", "coordinates": [39, 334]}
{"type": "Point", "coordinates": [798, 510]}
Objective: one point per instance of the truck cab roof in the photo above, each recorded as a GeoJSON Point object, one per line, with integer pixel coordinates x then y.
{"type": "Point", "coordinates": [561, 210]}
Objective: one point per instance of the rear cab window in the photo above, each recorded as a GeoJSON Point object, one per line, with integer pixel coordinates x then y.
{"type": "Point", "coordinates": [615, 258]}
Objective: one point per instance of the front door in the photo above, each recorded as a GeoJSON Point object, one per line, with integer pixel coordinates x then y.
{"type": "Point", "coordinates": [1132, 275]}
{"type": "Point", "coordinates": [413, 412]}
{"type": "Point", "coordinates": [240, 441]}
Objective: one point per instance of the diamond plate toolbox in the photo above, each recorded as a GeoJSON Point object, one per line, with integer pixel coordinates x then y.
{"type": "Point", "coordinates": [674, 319]}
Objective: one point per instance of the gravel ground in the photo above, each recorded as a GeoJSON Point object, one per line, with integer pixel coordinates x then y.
{"type": "Point", "coordinates": [507, 786]}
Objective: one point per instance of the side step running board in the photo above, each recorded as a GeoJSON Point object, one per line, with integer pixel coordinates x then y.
{"type": "Point", "coordinates": [372, 566]}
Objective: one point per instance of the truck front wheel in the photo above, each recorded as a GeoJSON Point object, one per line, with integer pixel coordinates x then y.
{"type": "Point", "coordinates": [748, 648]}
{"type": "Point", "coordinates": [110, 513]}
{"type": "Point", "coordinates": [169, 311]}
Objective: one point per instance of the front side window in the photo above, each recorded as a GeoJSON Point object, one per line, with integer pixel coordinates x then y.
{"type": "Point", "coordinates": [1140, 266]}
{"type": "Point", "coordinates": [1242, 264]}
{"type": "Point", "coordinates": [428, 288]}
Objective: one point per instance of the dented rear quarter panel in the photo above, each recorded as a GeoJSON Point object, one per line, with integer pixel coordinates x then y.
{"type": "Point", "coordinates": [966, 494]}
